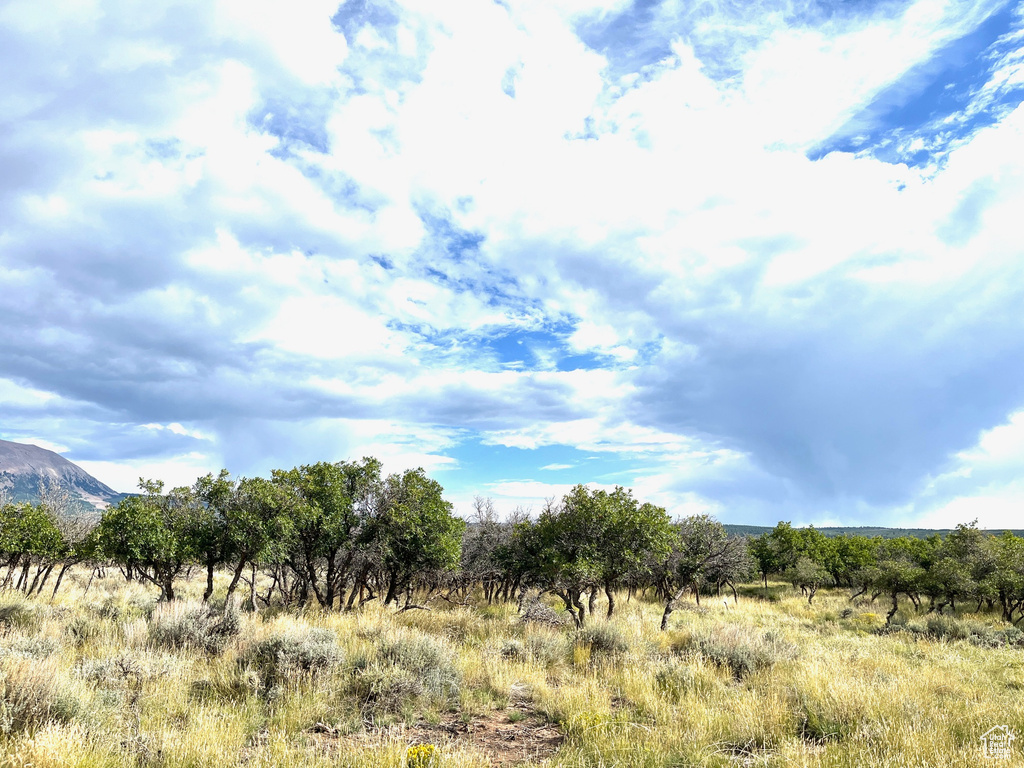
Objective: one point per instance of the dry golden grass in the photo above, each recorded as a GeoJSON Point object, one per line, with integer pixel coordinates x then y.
{"type": "Point", "coordinates": [100, 678]}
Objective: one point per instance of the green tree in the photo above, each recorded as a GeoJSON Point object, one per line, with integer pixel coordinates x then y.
{"type": "Point", "coordinates": [809, 576]}
{"type": "Point", "coordinates": [483, 546]}
{"type": "Point", "coordinates": [1008, 575]}
{"type": "Point", "coordinates": [776, 551]}
{"type": "Point", "coordinates": [633, 534]}
{"type": "Point", "coordinates": [901, 569]}
{"type": "Point", "coordinates": [149, 536]}
{"type": "Point", "coordinates": [704, 548]}
{"type": "Point", "coordinates": [329, 523]}
{"type": "Point", "coordinates": [28, 536]}
{"type": "Point", "coordinates": [201, 510]}
{"type": "Point", "coordinates": [259, 524]}
{"type": "Point", "coordinates": [852, 554]}
{"type": "Point", "coordinates": [521, 554]}
{"type": "Point", "coordinates": [971, 552]}
{"type": "Point", "coordinates": [413, 530]}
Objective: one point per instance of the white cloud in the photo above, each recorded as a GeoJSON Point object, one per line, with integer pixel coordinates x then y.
{"type": "Point", "coordinates": [43, 443]}
{"type": "Point", "coordinates": [531, 495]}
{"type": "Point", "coordinates": [175, 471]}
{"type": "Point", "coordinates": [300, 37]}
{"type": "Point", "coordinates": [177, 429]}
{"type": "Point", "coordinates": [983, 482]}
{"type": "Point", "coordinates": [14, 394]}
{"type": "Point", "coordinates": [246, 219]}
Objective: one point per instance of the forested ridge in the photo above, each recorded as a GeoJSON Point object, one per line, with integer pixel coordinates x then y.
{"type": "Point", "coordinates": [339, 535]}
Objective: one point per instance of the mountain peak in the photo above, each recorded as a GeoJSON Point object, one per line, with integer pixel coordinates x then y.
{"type": "Point", "coordinates": [23, 467]}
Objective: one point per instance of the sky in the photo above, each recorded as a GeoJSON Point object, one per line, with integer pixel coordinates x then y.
{"type": "Point", "coordinates": [756, 260]}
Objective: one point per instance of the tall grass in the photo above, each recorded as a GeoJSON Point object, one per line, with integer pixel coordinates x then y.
{"type": "Point", "coordinates": [111, 678]}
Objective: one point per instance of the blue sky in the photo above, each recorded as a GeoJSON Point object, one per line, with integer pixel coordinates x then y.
{"type": "Point", "coordinates": [760, 260]}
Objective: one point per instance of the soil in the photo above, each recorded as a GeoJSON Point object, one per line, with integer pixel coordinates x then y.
{"type": "Point", "coordinates": [508, 738]}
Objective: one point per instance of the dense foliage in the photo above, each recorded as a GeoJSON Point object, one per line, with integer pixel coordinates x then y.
{"type": "Point", "coordinates": [341, 534]}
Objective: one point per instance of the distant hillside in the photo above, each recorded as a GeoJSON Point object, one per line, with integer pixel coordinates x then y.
{"type": "Point", "coordinates": [23, 467]}
{"type": "Point", "coordinates": [870, 532]}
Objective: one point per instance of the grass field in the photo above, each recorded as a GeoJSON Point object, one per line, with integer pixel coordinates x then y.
{"type": "Point", "coordinates": [109, 678]}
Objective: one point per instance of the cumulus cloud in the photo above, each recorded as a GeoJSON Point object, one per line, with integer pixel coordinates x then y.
{"type": "Point", "coordinates": [706, 247]}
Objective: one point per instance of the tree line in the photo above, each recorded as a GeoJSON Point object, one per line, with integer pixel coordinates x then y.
{"type": "Point", "coordinates": [341, 534]}
{"type": "Point", "coordinates": [967, 565]}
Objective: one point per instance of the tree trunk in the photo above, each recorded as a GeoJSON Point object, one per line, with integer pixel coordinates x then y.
{"type": "Point", "coordinates": [577, 600]}
{"type": "Point", "coordinates": [311, 581]}
{"type": "Point", "coordinates": [209, 581]}
{"type": "Point", "coordinates": [89, 584]}
{"type": "Point", "coordinates": [611, 599]}
{"type": "Point", "coordinates": [357, 589]}
{"type": "Point", "coordinates": [670, 605]}
{"type": "Point", "coordinates": [46, 577]}
{"type": "Point", "coordinates": [23, 579]}
{"type": "Point", "coordinates": [235, 577]}
{"type": "Point", "coordinates": [252, 588]}
{"type": "Point", "coordinates": [895, 606]}
{"type": "Point", "coordinates": [60, 578]}
{"type": "Point", "coordinates": [329, 585]}
{"type": "Point", "coordinates": [35, 581]}
{"type": "Point", "coordinates": [392, 589]}
{"type": "Point", "coordinates": [274, 585]}
{"type": "Point", "coordinates": [572, 603]}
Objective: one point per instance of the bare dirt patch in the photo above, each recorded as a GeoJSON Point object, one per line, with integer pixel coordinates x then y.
{"type": "Point", "coordinates": [506, 739]}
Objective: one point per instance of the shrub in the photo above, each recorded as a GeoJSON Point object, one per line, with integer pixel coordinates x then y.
{"type": "Point", "coordinates": [18, 615]}
{"type": "Point", "coordinates": [819, 723]}
{"type": "Point", "coordinates": [32, 647]}
{"type": "Point", "coordinates": [537, 612]}
{"type": "Point", "coordinates": [740, 649]}
{"type": "Point", "coordinates": [514, 650]}
{"type": "Point", "coordinates": [280, 658]}
{"type": "Point", "coordinates": [546, 649]}
{"type": "Point", "coordinates": [536, 649]}
{"type": "Point", "coordinates": [974, 632]}
{"type": "Point", "coordinates": [230, 685]}
{"type": "Point", "coordinates": [676, 678]}
{"type": "Point", "coordinates": [1014, 636]}
{"type": "Point", "coordinates": [602, 638]}
{"type": "Point", "coordinates": [389, 689]}
{"type": "Point", "coordinates": [137, 666]}
{"type": "Point", "coordinates": [184, 625]}
{"type": "Point", "coordinates": [81, 629]}
{"type": "Point", "coordinates": [945, 627]}
{"type": "Point", "coordinates": [949, 628]}
{"type": "Point", "coordinates": [31, 695]}
{"type": "Point", "coordinates": [116, 608]}
{"type": "Point", "coordinates": [429, 661]}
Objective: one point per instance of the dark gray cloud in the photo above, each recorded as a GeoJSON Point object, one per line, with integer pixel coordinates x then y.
{"type": "Point", "coordinates": [858, 393]}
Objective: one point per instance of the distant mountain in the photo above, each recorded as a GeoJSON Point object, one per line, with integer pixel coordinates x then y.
{"type": "Point", "coordinates": [23, 467]}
